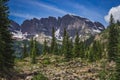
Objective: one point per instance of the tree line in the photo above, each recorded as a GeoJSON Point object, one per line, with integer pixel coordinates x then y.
{"type": "Point", "coordinates": [72, 49]}
{"type": "Point", "coordinates": [69, 48]}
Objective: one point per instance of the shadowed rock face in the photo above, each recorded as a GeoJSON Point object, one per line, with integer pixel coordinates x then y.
{"type": "Point", "coordinates": [72, 23]}
{"type": "Point", "coordinates": [14, 26]}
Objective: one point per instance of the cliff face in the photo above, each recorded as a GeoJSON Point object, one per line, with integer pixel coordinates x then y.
{"type": "Point", "coordinates": [72, 23]}
{"type": "Point", "coordinates": [14, 26]}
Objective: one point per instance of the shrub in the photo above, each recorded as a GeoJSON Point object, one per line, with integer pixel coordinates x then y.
{"type": "Point", "coordinates": [40, 77]}
{"type": "Point", "coordinates": [46, 61]}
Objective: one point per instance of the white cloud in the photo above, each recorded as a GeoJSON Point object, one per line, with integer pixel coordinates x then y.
{"type": "Point", "coordinates": [115, 11]}
{"type": "Point", "coordinates": [23, 15]}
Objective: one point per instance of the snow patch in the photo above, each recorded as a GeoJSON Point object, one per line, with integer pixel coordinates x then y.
{"type": "Point", "coordinates": [57, 34]}
{"type": "Point", "coordinates": [83, 26]}
{"type": "Point", "coordinates": [97, 31]}
{"type": "Point", "coordinates": [87, 20]}
{"type": "Point", "coordinates": [19, 35]}
{"type": "Point", "coordinates": [36, 35]}
{"type": "Point", "coordinates": [100, 27]}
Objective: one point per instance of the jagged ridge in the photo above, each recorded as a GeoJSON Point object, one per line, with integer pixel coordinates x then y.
{"type": "Point", "coordinates": [84, 26]}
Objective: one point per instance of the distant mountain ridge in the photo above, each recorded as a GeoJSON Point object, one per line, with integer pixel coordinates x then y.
{"type": "Point", "coordinates": [84, 26]}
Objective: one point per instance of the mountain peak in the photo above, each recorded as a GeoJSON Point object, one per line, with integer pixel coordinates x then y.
{"type": "Point", "coordinates": [84, 26]}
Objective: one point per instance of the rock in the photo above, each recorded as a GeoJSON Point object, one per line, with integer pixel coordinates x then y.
{"type": "Point", "coordinates": [57, 75]}
{"type": "Point", "coordinates": [29, 78]}
{"type": "Point", "coordinates": [56, 78]}
{"type": "Point", "coordinates": [91, 79]}
{"type": "Point", "coordinates": [70, 22]}
{"type": "Point", "coordinates": [91, 70]}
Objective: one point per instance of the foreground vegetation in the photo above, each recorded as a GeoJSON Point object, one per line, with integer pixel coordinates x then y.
{"type": "Point", "coordinates": [70, 60]}
{"type": "Point", "coordinates": [54, 67]}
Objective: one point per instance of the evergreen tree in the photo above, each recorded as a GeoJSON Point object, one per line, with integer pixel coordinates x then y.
{"type": "Point", "coordinates": [118, 23]}
{"type": "Point", "coordinates": [68, 48]}
{"type": "Point", "coordinates": [91, 56]}
{"type": "Point", "coordinates": [31, 46]}
{"type": "Point", "coordinates": [82, 49]}
{"type": "Point", "coordinates": [117, 76]}
{"type": "Point", "coordinates": [63, 42]}
{"type": "Point", "coordinates": [87, 51]}
{"type": "Point", "coordinates": [33, 53]}
{"type": "Point", "coordinates": [113, 40]}
{"type": "Point", "coordinates": [6, 51]}
{"type": "Point", "coordinates": [25, 54]}
{"type": "Point", "coordinates": [76, 49]}
{"type": "Point", "coordinates": [53, 42]}
{"type": "Point", "coordinates": [95, 51]}
{"type": "Point", "coordinates": [33, 50]}
{"type": "Point", "coordinates": [45, 47]}
{"type": "Point", "coordinates": [1, 55]}
{"type": "Point", "coordinates": [55, 51]}
{"type": "Point", "coordinates": [100, 49]}
{"type": "Point", "coordinates": [37, 48]}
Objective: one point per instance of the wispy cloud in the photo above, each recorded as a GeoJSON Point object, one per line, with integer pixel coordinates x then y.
{"type": "Point", "coordinates": [86, 11]}
{"type": "Point", "coordinates": [48, 7]}
{"type": "Point", "coordinates": [23, 15]}
{"type": "Point", "coordinates": [35, 3]}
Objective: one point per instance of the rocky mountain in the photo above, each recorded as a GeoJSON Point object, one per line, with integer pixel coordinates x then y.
{"type": "Point", "coordinates": [16, 31]}
{"type": "Point", "coordinates": [14, 26]}
{"type": "Point", "coordinates": [84, 26]}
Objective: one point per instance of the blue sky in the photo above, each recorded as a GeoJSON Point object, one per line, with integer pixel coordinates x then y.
{"type": "Point", "coordinates": [94, 10]}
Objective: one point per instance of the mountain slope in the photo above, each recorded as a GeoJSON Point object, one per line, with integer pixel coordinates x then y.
{"type": "Point", "coordinates": [84, 26]}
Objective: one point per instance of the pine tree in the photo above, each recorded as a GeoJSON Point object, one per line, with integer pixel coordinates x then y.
{"type": "Point", "coordinates": [63, 42]}
{"type": "Point", "coordinates": [117, 75]}
{"type": "Point", "coordinates": [118, 23]}
{"type": "Point", "coordinates": [87, 52]}
{"type": "Point", "coordinates": [100, 50]}
{"type": "Point", "coordinates": [45, 47]}
{"type": "Point", "coordinates": [33, 50]}
{"type": "Point", "coordinates": [33, 53]}
{"type": "Point", "coordinates": [113, 40]}
{"type": "Point", "coordinates": [55, 51]}
{"type": "Point", "coordinates": [53, 42]}
{"type": "Point", "coordinates": [95, 51]}
{"type": "Point", "coordinates": [31, 46]}
{"type": "Point", "coordinates": [64, 35]}
{"type": "Point", "coordinates": [67, 47]}
{"type": "Point", "coordinates": [91, 56]}
{"type": "Point", "coordinates": [82, 49]}
{"type": "Point", "coordinates": [37, 48]}
{"type": "Point", "coordinates": [25, 54]}
{"type": "Point", "coordinates": [1, 55]}
{"type": "Point", "coordinates": [6, 51]}
{"type": "Point", "coordinates": [76, 49]}
{"type": "Point", "coordinates": [70, 48]}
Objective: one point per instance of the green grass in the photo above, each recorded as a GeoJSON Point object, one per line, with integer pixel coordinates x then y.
{"type": "Point", "coordinates": [46, 61]}
{"type": "Point", "coordinates": [40, 77]}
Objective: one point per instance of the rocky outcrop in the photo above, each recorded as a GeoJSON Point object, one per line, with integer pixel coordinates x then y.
{"type": "Point", "coordinates": [14, 26]}
{"type": "Point", "coordinates": [84, 26]}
